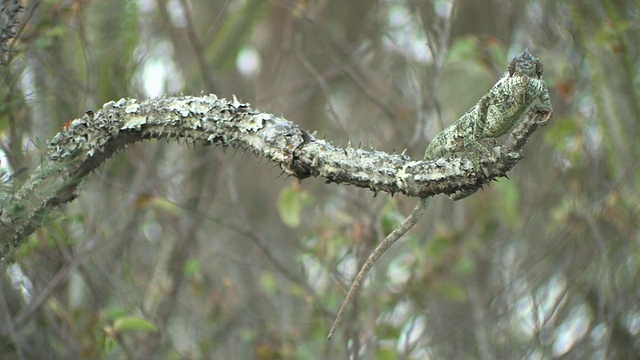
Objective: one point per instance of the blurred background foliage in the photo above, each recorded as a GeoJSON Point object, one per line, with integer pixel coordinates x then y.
{"type": "Point", "coordinates": [173, 252]}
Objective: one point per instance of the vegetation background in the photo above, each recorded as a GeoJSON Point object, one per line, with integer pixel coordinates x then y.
{"type": "Point", "coordinates": [173, 252]}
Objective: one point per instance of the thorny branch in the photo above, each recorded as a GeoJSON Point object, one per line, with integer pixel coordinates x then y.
{"type": "Point", "coordinates": [85, 143]}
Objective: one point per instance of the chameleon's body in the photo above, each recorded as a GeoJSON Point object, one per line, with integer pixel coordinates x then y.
{"type": "Point", "coordinates": [497, 112]}
{"type": "Point", "coordinates": [494, 115]}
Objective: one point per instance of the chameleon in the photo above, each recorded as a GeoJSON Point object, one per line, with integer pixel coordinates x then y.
{"type": "Point", "coordinates": [495, 114]}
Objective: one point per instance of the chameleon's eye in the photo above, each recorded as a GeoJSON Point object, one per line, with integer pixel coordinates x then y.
{"type": "Point", "coordinates": [539, 68]}
{"type": "Point", "coordinates": [512, 67]}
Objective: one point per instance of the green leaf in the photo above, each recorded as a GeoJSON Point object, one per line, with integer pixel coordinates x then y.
{"type": "Point", "coordinates": [463, 49]}
{"type": "Point", "coordinates": [115, 313]}
{"type": "Point", "coordinates": [269, 282]}
{"type": "Point", "coordinates": [465, 265]}
{"type": "Point", "coordinates": [109, 344]}
{"type": "Point", "coordinates": [290, 205]}
{"type": "Point", "coordinates": [566, 135]}
{"type": "Point", "coordinates": [391, 217]}
{"type": "Point", "coordinates": [388, 332]}
{"type": "Point", "coordinates": [191, 268]}
{"type": "Point", "coordinates": [454, 292]}
{"type": "Point", "coordinates": [386, 354]}
{"type": "Point", "coordinates": [508, 204]}
{"type": "Point", "coordinates": [131, 324]}
{"type": "Point", "coordinates": [161, 203]}
{"type": "Point", "coordinates": [438, 246]}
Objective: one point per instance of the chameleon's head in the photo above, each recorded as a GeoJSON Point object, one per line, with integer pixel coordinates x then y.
{"type": "Point", "coordinates": [526, 65]}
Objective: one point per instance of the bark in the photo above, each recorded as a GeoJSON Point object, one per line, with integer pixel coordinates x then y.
{"type": "Point", "coordinates": [85, 143]}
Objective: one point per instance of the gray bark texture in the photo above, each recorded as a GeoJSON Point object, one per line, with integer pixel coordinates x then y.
{"type": "Point", "coordinates": [85, 143]}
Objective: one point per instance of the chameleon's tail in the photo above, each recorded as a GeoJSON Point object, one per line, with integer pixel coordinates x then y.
{"type": "Point", "coordinates": [407, 224]}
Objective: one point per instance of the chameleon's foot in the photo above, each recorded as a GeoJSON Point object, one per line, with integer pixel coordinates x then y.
{"type": "Point", "coordinates": [546, 111]}
{"type": "Point", "coordinates": [461, 194]}
{"type": "Point", "coordinates": [478, 151]}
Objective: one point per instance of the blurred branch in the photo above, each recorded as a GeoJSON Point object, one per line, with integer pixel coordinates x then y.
{"type": "Point", "coordinates": [9, 10]}
{"type": "Point", "coordinates": [85, 143]}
